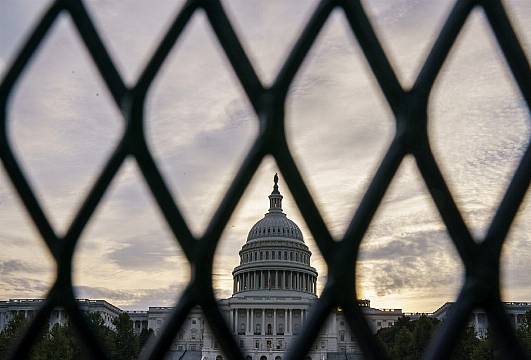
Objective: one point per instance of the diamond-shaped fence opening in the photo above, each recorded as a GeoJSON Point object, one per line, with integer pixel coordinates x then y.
{"type": "Point", "coordinates": [409, 106]}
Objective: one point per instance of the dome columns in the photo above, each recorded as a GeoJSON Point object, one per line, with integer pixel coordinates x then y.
{"type": "Point", "coordinates": [275, 280]}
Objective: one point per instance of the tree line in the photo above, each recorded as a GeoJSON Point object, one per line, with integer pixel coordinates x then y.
{"type": "Point", "coordinates": [407, 339]}
{"type": "Point", "coordinates": [61, 341]}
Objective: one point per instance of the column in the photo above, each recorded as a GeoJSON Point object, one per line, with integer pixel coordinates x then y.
{"type": "Point", "coordinates": [274, 321]}
{"type": "Point", "coordinates": [291, 279]}
{"type": "Point", "coordinates": [276, 279]}
{"type": "Point", "coordinates": [236, 320]}
{"type": "Point", "coordinates": [247, 321]}
{"type": "Point", "coordinates": [291, 321]}
{"type": "Point", "coordinates": [286, 329]}
{"type": "Point", "coordinates": [232, 320]}
{"type": "Point", "coordinates": [263, 322]}
{"type": "Point", "coordinates": [234, 285]}
{"type": "Point", "coordinates": [303, 314]}
{"type": "Point", "coordinates": [262, 279]}
{"type": "Point", "coordinates": [252, 321]}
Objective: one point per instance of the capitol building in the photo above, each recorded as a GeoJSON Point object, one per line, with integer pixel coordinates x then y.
{"type": "Point", "coordinates": [274, 289]}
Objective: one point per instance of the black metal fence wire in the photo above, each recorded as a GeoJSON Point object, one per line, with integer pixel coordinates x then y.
{"type": "Point", "coordinates": [481, 259]}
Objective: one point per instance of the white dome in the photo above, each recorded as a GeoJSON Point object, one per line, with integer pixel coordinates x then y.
{"type": "Point", "coordinates": [276, 225]}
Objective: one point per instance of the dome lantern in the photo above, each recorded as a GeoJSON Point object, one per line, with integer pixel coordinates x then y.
{"type": "Point", "coordinates": [275, 199]}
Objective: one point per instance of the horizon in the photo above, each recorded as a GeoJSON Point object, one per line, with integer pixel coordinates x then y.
{"type": "Point", "coordinates": [479, 130]}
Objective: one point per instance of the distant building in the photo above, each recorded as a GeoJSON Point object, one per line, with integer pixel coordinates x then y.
{"type": "Point", "coordinates": [27, 307]}
{"type": "Point", "coordinates": [478, 319]}
{"type": "Point", "coordinates": [274, 290]}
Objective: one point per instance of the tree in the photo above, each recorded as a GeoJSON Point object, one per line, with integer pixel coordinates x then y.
{"type": "Point", "coordinates": [403, 345]}
{"type": "Point", "coordinates": [524, 331]}
{"type": "Point", "coordinates": [59, 344]}
{"type": "Point", "coordinates": [10, 333]}
{"type": "Point", "coordinates": [422, 333]}
{"type": "Point", "coordinates": [125, 340]}
{"type": "Point", "coordinates": [466, 345]}
{"type": "Point", "coordinates": [105, 335]}
{"type": "Point", "coordinates": [483, 350]}
{"type": "Point", "coordinates": [144, 336]}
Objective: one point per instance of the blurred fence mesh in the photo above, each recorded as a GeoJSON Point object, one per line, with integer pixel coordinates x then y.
{"type": "Point", "coordinates": [481, 259]}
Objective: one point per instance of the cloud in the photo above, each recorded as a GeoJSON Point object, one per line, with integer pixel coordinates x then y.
{"type": "Point", "coordinates": [130, 299]}
{"type": "Point", "coordinates": [9, 267]}
{"type": "Point", "coordinates": [422, 260]}
{"type": "Point", "coordinates": [145, 253]}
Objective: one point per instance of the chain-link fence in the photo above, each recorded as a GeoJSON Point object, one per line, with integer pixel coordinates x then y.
{"type": "Point", "coordinates": [481, 260]}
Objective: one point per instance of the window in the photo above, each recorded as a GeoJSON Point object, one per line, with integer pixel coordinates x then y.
{"type": "Point", "coordinates": [257, 344]}
{"type": "Point", "coordinates": [268, 344]}
{"type": "Point", "coordinates": [193, 322]}
{"type": "Point", "coordinates": [273, 255]}
{"type": "Point", "coordinates": [342, 335]}
{"type": "Point", "coordinates": [379, 323]}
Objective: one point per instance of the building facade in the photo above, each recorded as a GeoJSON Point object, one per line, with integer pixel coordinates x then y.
{"type": "Point", "coordinates": [27, 307]}
{"type": "Point", "coordinates": [478, 320]}
{"type": "Point", "coordinates": [274, 289]}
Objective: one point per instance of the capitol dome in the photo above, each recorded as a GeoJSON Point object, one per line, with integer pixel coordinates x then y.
{"type": "Point", "coordinates": [275, 225]}
{"type": "Point", "coordinates": [275, 257]}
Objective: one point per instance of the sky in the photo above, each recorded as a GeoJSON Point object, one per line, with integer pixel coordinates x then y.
{"type": "Point", "coordinates": [63, 126]}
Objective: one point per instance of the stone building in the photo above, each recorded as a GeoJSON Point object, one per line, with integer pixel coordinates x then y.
{"type": "Point", "coordinates": [27, 307]}
{"type": "Point", "coordinates": [478, 320]}
{"type": "Point", "coordinates": [274, 290]}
